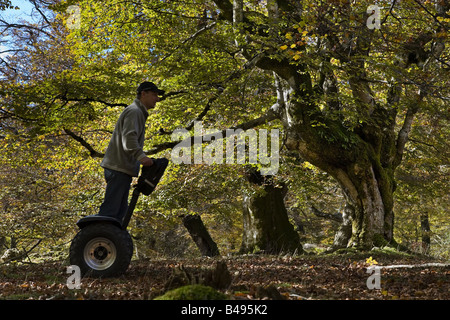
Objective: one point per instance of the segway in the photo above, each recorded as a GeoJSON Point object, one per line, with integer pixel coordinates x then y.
{"type": "Point", "coordinates": [103, 247]}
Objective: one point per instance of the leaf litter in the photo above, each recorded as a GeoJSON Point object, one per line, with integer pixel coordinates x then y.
{"type": "Point", "coordinates": [336, 277]}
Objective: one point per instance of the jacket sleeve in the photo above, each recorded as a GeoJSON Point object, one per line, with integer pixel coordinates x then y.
{"type": "Point", "coordinates": [130, 134]}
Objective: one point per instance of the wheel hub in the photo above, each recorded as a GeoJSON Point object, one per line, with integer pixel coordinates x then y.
{"type": "Point", "coordinates": [100, 253]}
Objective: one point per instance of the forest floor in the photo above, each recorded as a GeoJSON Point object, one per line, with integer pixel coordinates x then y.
{"type": "Point", "coordinates": [303, 277]}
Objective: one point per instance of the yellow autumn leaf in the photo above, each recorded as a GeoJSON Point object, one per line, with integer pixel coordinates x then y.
{"type": "Point", "coordinates": [370, 261]}
{"type": "Point", "coordinates": [289, 35]}
{"type": "Point", "coordinates": [296, 57]}
{"type": "Point", "coordinates": [293, 46]}
{"type": "Point", "coordinates": [283, 47]}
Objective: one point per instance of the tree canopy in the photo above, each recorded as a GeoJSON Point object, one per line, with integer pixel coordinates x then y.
{"type": "Point", "coordinates": [362, 110]}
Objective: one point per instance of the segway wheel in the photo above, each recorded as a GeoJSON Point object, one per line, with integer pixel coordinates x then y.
{"type": "Point", "coordinates": [101, 250]}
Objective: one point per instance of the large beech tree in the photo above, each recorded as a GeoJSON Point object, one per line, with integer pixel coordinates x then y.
{"type": "Point", "coordinates": [348, 93]}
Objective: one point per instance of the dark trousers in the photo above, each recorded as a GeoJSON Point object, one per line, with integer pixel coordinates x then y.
{"type": "Point", "coordinates": [116, 194]}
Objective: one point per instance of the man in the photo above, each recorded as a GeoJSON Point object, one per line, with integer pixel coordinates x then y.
{"type": "Point", "coordinates": [125, 151]}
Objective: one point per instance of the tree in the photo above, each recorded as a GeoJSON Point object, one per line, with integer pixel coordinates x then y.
{"type": "Point", "coordinates": [200, 235]}
{"type": "Point", "coordinates": [266, 223]}
{"type": "Point", "coordinates": [422, 198]}
{"type": "Point", "coordinates": [342, 89]}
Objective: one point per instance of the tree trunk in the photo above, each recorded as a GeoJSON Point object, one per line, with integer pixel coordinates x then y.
{"type": "Point", "coordinates": [366, 178]}
{"type": "Point", "coordinates": [266, 223]}
{"type": "Point", "coordinates": [200, 235]}
{"type": "Point", "coordinates": [344, 233]}
{"type": "Point", "coordinates": [368, 218]}
{"type": "Point", "coordinates": [425, 228]}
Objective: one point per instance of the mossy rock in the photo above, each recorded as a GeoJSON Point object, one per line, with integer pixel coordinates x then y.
{"type": "Point", "coordinates": [193, 292]}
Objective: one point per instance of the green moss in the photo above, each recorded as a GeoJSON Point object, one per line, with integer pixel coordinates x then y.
{"type": "Point", "coordinates": [350, 250]}
{"type": "Point", "coordinates": [193, 292]}
{"type": "Point", "coordinates": [391, 251]}
{"type": "Point", "coordinates": [384, 251]}
{"type": "Point", "coordinates": [379, 240]}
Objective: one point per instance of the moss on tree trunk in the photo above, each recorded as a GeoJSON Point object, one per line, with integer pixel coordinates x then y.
{"type": "Point", "coordinates": [266, 223]}
{"type": "Point", "coordinates": [368, 218]}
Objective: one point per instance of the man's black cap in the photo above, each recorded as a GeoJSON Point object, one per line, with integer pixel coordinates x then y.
{"type": "Point", "coordinates": [150, 86]}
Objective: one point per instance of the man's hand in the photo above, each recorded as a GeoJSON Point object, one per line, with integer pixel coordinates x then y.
{"type": "Point", "coordinates": [146, 162]}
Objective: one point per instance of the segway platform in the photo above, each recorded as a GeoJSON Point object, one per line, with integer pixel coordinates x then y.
{"type": "Point", "coordinates": [83, 222]}
{"type": "Point", "coordinates": [103, 247]}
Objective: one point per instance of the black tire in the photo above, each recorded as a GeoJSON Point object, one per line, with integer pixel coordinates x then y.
{"type": "Point", "coordinates": [101, 250]}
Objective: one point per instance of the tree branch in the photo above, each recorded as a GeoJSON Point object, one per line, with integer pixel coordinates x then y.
{"type": "Point", "coordinates": [36, 6]}
{"type": "Point", "coordinates": [64, 98]}
{"type": "Point", "coordinates": [335, 216]}
{"type": "Point", "coordinates": [403, 134]}
{"type": "Point", "coordinates": [92, 152]}
{"type": "Point", "coordinates": [109, 104]}
{"type": "Point", "coordinates": [226, 8]}
{"type": "Point", "coordinates": [23, 254]}
{"type": "Point", "coordinates": [435, 17]}
{"type": "Point", "coordinates": [269, 116]}
{"type": "Point", "coordinates": [193, 36]}
{"type": "Point", "coordinates": [220, 89]}
{"type": "Point", "coordinates": [6, 25]}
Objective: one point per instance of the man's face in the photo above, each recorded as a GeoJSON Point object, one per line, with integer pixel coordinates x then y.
{"type": "Point", "coordinates": [149, 99]}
